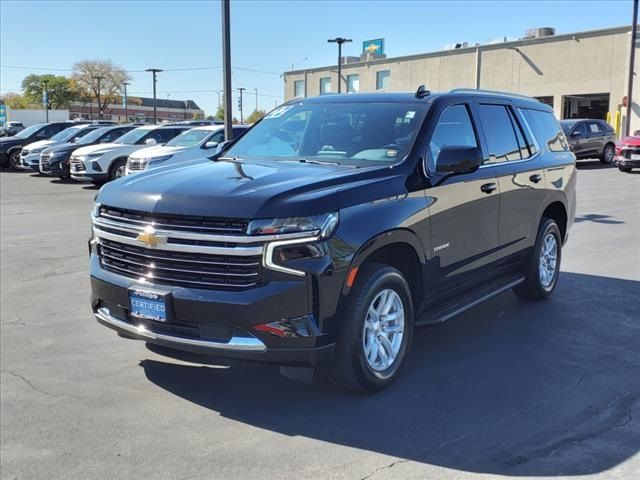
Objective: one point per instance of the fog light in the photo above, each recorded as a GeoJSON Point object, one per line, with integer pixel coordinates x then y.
{"type": "Point", "coordinates": [96, 166]}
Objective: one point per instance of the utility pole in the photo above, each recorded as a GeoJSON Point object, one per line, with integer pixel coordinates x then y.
{"type": "Point", "coordinates": [226, 67]}
{"type": "Point", "coordinates": [632, 61]}
{"type": "Point", "coordinates": [256, 98]}
{"type": "Point", "coordinates": [339, 41]}
{"type": "Point", "coordinates": [45, 99]}
{"type": "Point", "coordinates": [241, 89]}
{"type": "Point", "coordinates": [99, 78]}
{"type": "Point", "coordinates": [154, 71]}
{"type": "Point", "coordinates": [125, 101]}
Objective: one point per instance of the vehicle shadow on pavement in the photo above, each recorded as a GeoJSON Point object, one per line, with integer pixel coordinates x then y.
{"type": "Point", "coordinates": [508, 388]}
{"type": "Point", "coordinates": [598, 218]}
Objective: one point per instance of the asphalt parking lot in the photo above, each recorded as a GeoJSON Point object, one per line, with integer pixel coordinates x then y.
{"type": "Point", "coordinates": [510, 388]}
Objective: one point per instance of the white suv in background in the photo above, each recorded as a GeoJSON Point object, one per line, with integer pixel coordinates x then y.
{"type": "Point", "coordinates": [199, 142]}
{"type": "Point", "coordinates": [107, 161]}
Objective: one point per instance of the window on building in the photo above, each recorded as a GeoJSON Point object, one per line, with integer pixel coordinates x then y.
{"type": "Point", "coordinates": [500, 134]}
{"type": "Point", "coordinates": [454, 127]}
{"type": "Point", "coordinates": [325, 85]}
{"type": "Point", "coordinates": [548, 100]}
{"type": "Point", "coordinates": [298, 88]}
{"type": "Point", "coordinates": [353, 83]}
{"type": "Point", "coordinates": [383, 79]}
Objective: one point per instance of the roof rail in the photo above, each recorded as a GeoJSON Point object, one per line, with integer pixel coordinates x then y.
{"type": "Point", "coordinates": [479, 91]}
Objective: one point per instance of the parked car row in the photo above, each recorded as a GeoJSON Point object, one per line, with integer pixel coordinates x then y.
{"type": "Point", "coordinates": [99, 153]}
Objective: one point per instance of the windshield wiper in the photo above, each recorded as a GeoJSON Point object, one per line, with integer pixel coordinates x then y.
{"type": "Point", "coordinates": [317, 162]}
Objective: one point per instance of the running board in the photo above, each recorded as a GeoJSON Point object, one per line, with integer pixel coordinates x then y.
{"type": "Point", "coordinates": [475, 297]}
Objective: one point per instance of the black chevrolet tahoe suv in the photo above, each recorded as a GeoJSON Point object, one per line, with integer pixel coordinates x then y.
{"type": "Point", "coordinates": [337, 224]}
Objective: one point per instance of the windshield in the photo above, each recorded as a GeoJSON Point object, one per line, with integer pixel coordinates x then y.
{"type": "Point", "coordinates": [345, 133]}
{"type": "Point", "coordinates": [131, 137]}
{"type": "Point", "coordinates": [188, 138]}
{"type": "Point", "coordinates": [27, 132]}
{"type": "Point", "coordinates": [93, 135]}
{"type": "Point", "coordinates": [66, 134]}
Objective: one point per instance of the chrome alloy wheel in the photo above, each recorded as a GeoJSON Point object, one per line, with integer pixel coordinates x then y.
{"type": "Point", "coordinates": [120, 171]}
{"type": "Point", "coordinates": [548, 261]}
{"type": "Point", "coordinates": [383, 330]}
{"type": "Point", "coordinates": [609, 154]}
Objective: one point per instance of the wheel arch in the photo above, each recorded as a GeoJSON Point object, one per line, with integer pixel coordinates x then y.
{"type": "Point", "coordinates": [398, 248]}
{"type": "Point", "coordinates": [557, 211]}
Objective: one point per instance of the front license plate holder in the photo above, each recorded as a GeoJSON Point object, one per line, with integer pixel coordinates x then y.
{"type": "Point", "coordinates": [147, 304]}
{"type": "Point", "coordinates": [635, 156]}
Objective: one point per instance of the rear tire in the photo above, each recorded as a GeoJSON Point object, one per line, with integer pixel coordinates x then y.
{"type": "Point", "coordinates": [624, 169]}
{"type": "Point", "coordinates": [607, 154]}
{"type": "Point", "coordinates": [117, 169]}
{"type": "Point", "coordinates": [542, 268]}
{"type": "Point", "coordinates": [376, 330]}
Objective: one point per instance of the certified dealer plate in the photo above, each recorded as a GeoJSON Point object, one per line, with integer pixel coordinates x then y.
{"type": "Point", "coordinates": [635, 156]}
{"type": "Point", "coordinates": [147, 304]}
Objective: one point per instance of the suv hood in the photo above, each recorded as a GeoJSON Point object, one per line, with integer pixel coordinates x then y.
{"type": "Point", "coordinates": [265, 189]}
{"type": "Point", "coordinates": [39, 144]}
{"type": "Point", "coordinates": [106, 148]}
{"type": "Point", "coordinates": [156, 151]}
{"type": "Point", "coordinates": [63, 147]}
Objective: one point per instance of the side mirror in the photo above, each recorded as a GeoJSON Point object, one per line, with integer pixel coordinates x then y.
{"type": "Point", "coordinates": [458, 159]}
{"type": "Point", "coordinates": [577, 133]}
{"type": "Point", "coordinates": [150, 141]}
{"type": "Point", "coordinates": [222, 145]}
{"type": "Point", "coordinates": [211, 144]}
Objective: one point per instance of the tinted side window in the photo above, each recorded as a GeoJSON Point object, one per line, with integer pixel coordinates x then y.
{"type": "Point", "coordinates": [111, 135]}
{"type": "Point", "coordinates": [163, 135]}
{"type": "Point", "coordinates": [500, 134]}
{"type": "Point", "coordinates": [454, 127]}
{"type": "Point", "coordinates": [594, 127]}
{"type": "Point", "coordinates": [219, 136]}
{"type": "Point", "coordinates": [579, 128]}
{"type": "Point", "coordinates": [546, 129]}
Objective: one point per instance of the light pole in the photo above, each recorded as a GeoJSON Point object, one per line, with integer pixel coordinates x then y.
{"type": "Point", "coordinates": [241, 89]}
{"type": "Point", "coordinates": [154, 71]}
{"type": "Point", "coordinates": [125, 100]}
{"type": "Point", "coordinates": [226, 67]}
{"type": "Point", "coordinates": [632, 61]}
{"type": "Point", "coordinates": [98, 79]}
{"type": "Point", "coordinates": [256, 98]}
{"type": "Point", "coordinates": [339, 41]}
{"type": "Point", "coordinates": [45, 99]}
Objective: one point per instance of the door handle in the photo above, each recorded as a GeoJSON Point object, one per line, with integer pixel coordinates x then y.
{"type": "Point", "coordinates": [535, 178]}
{"type": "Point", "coordinates": [488, 187]}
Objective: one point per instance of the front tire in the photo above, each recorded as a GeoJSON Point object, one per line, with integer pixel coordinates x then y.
{"type": "Point", "coordinates": [624, 169]}
{"type": "Point", "coordinates": [117, 169]}
{"type": "Point", "coordinates": [14, 160]}
{"type": "Point", "coordinates": [376, 330]}
{"type": "Point", "coordinates": [542, 268]}
{"type": "Point", "coordinates": [607, 154]}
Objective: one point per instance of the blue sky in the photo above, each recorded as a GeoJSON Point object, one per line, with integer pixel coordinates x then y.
{"type": "Point", "coordinates": [267, 36]}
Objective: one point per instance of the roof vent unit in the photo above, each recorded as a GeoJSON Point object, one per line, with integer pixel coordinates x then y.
{"type": "Point", "coordinates": [540, 32]}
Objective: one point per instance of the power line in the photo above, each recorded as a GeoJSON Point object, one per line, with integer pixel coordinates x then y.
{"type": "Point", "coordinates": [184, 69]}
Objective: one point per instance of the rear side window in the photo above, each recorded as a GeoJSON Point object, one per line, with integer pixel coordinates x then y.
{"type": "Point", "coordinates": [113, 134]}
{"type": "Point", "coordinates": [594, 127]}
{"type": "Point", "coordinates": [500, 134]}
{"type": "Point", "coordinates": [454, 127]}
{"type": "Point", "coordinates": [546, 129]}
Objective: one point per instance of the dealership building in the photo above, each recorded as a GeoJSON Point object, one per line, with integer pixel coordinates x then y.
{"type": "Point", "coordinates": [580, 75]}
{"type": "Point", "coordinates": [139, 109]}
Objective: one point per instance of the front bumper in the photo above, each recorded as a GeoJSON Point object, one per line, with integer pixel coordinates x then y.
{"type": "Point", "coordinates": [31, 161]}
{"type": "Point", "coordinates": [215, 322]}
{"type": "Point", "coordinates": [624, 162]}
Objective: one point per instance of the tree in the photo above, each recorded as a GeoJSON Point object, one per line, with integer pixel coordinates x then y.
{"type": "Point", "coordinates": [210, 117]}
{"type": "Point", "coordinates": [18, 102]}
{"type": "Point", "coordinates": [220, 113]}
{"type": "Point", "coordinates": [61, 90]}
{"type": "Point", "coordinates": [112, 77]}
{"type": "Point", "coordinates": [255, 116]}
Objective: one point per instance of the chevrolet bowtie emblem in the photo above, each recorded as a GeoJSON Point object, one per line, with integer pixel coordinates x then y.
{"type": "Point", "coordinates": [150, 238]}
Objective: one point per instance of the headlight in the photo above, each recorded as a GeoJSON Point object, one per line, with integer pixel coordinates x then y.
{"type": "Point", "coordinates": [318, 225]}
{"type": "Point", "coordinates": [36, 150]}
{"type": "Point", "coordinates": [95, 212]}
{"type": "Point", "coordinates": [159, 160]}
{"type": "Point", "coordinates": [91, 155]}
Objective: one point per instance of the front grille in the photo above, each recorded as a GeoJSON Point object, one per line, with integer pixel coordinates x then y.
{"type": "Point", "coordinates": [178, 223]}
{"type": "Point", "coordinates": [136, 164]}
{"type": "Point", "coordinates": [226, 272]}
